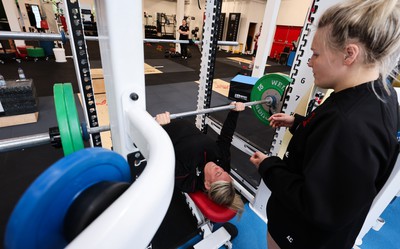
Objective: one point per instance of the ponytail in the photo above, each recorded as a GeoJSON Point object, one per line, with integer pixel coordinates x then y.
{"type": "Point", "coordinates": [375, 24]}
{"type": "Point", "coordinates": [224, 194]}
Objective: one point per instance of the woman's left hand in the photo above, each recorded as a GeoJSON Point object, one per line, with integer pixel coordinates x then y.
{"type": "Point", "coordinates": [163, 118]}
{"type": "Point", "coordinates": [239, 106]}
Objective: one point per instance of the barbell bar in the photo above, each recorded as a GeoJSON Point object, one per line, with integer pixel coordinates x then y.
{"type": "Point", "coordinates": [266, 99]}
{"type": "Point", "coordinates": [5, 35]}
{"type": "Point", "coordinates": [98, 129]}
{"type": "Point", "coordinates": [222, 43]}
{"type": "Point", "coordinates": [24, 142]}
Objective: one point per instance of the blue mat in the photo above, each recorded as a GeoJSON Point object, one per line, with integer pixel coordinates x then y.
{"type": "Point", "coordinates": [388, 236]}
{"type": "Point", "coordinates": [252, 231]}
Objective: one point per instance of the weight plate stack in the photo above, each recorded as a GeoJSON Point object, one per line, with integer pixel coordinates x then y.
{"type": "Point", "coordinates": [62, 119]}
{"type": "Point", "coordinates": [73, 118]}
{"type": "Point", "coordinates": [67, 118]}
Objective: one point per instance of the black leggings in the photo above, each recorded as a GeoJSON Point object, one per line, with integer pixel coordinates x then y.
{"type": "Point", "coordinates": [184, 49]}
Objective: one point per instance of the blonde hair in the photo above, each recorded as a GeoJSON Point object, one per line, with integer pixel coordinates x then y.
{"type": "Point", "coordinates": [375, 24]}
{"type": "Point", "coordinates": [224, 194]}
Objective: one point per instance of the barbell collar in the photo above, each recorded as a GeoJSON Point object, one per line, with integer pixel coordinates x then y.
{"type": "Point", "coordinates": [271, 101]}
{"type": "Point", "coordinates": [24, 142]}
{"type": "Point", "coordinates": [267, 101]}
{"type": "Point", "coordinates": [55, 139]}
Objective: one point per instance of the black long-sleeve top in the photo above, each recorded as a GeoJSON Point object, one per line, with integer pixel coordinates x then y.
{"type": "Point", "coordinates": [338, 159]}
{"type": "Point", "coordinates": [183, 29]}
{"type": "Point", "coordinates": [193, 149]}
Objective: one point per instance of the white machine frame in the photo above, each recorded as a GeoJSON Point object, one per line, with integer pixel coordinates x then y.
{"type": "Point", "coordinates": [211, 240]}
{"type": "Point", "coordinates": [134, 218]}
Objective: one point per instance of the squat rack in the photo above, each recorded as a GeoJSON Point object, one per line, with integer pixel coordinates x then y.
{"type": "Point", "coordinates": [116, 71]}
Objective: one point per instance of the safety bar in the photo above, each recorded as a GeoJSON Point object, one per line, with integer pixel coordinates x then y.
{"type": "Point", "coordinates": [4, 35]}
{"type": "Point", "coordinates": [133, 219]}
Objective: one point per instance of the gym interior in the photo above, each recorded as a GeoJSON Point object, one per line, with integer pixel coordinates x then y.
{"type": "Point", "coordinates": [40, 48]}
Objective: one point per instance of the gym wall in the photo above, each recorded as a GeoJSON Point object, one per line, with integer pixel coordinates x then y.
{"type": "Point", "coordinates": [291, 13]}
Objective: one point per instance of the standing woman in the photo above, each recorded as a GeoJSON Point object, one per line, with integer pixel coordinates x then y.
{"type": "Point", "coordinates": [253, 56]}
{"type": "Point", "coordinates": [343, 152]}
{"type": "Point", "coordinates": [184, 35]}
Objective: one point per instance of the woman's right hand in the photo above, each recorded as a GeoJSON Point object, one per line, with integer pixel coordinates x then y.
{"type": "Point", "coordinates": [163, 118]}
{"type": "Point", "coordinates": [281, 119]}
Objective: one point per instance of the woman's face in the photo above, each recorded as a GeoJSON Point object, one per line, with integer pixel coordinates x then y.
{"type": "Point", "coordinates": [213, 173]}
{"type": "Point", "coordinates": [327, 65]}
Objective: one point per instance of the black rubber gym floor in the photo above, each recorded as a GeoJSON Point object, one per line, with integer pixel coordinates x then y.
{"type": "Point", "coordinates": [19, 168]}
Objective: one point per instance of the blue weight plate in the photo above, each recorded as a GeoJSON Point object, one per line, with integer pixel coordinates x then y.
{"type": "Point", "coordinates": [37, 220]}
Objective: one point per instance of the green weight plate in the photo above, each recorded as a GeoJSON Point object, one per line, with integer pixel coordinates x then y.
{"type": "Point", "coordinates": [270, 85]}
{"type": "Point", "coordinates": [62, 119]}
{"type": "Point", "coordinates": [73, 118]}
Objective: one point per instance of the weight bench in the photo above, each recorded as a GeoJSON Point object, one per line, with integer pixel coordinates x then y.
{"type": "Point", "coordinates": [207, 213]}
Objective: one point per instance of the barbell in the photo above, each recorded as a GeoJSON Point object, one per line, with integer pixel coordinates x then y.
{"type": "Point", "coordinates": [266, 98]}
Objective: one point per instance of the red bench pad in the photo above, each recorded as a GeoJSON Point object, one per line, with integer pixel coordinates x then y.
{"type": "Point", "coordinates": [211, 210]}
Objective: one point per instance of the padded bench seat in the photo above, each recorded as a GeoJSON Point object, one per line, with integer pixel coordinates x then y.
{"type": "Point", "coordinates": [211, 210]}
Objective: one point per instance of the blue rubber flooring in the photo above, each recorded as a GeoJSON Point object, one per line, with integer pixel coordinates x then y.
{"type": "Point", "coordinates": [252, 231]}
